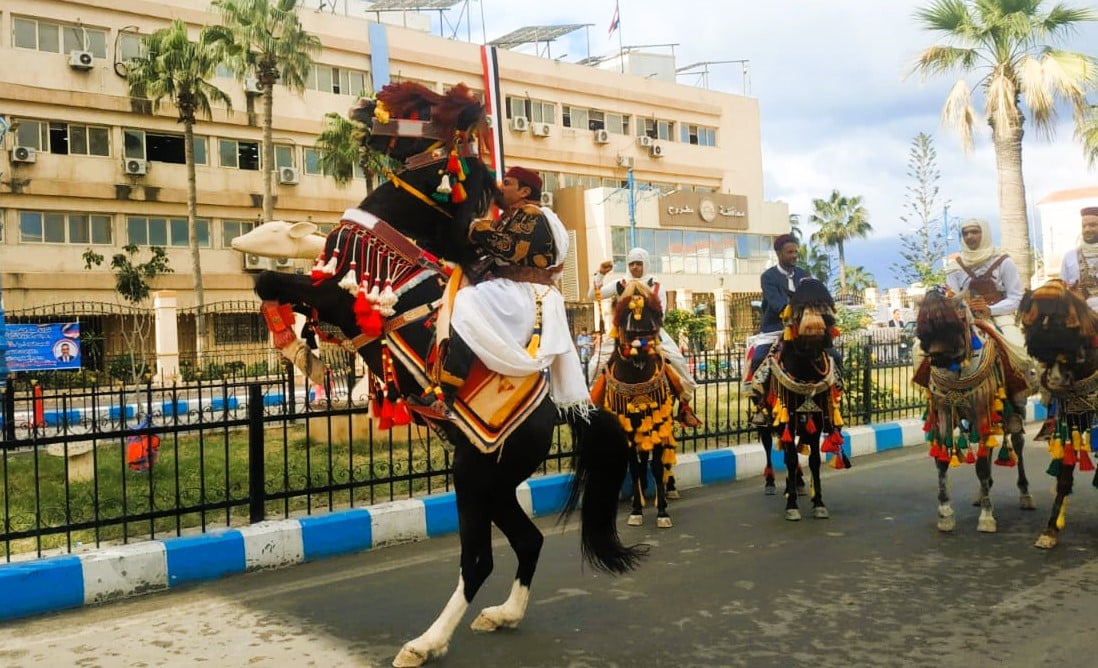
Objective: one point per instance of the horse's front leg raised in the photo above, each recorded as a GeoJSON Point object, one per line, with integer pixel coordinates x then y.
{"type": "Point", "coordinates": [792, 513]}
{"type": "Point", "coordinates": [819, 510]}
{"type": "Point", "coordinates": [946, 520]}
{"type": "Point", "coordinates": [526, 540]}
{"type": "Point", "coordinates": [986, 523]}
{"type": "Point", "coordinates": [1051, 535]}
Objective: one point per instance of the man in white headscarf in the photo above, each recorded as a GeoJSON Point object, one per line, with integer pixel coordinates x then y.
{"type": "Point", "coordinates": [1079, 268]}
{"type": "Point", "coordinates": [637, 263]}
{"type": "Point", "coordinates": [994, 291]}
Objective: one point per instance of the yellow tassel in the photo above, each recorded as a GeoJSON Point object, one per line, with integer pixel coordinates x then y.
{"type": "Point", "coordinates": [1061, 519]}
{"type": "Point", "coordinates": [1076, 439]}
{"type": "Point", "coordinates": [786, 312]}
{"type": "Point", "coordinates": [836, 417]}
{"type": "Point", "coordinates": [535, 343]}
{"type": "Point", "coordinates": [1055, 449]}
{"type": "Point", "coordinates": [788, 334]}
{"type": "Point", "coordinates": [381, 113]}
{"type": "Point", "coordinates": [954, 462]}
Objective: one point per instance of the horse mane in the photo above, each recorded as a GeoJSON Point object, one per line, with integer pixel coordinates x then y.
{"type": "Point", "coordinates": [1056, 320]}
{"type": "Point", "coordinates": [941, 317]}
{"type": "Point", "coordinates": [634, 287]}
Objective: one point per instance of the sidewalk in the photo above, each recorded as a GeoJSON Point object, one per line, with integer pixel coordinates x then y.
{"type": "Point", "coordinates": [69, 581]}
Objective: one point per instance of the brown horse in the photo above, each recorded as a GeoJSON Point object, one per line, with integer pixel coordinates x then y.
{"type": "Point", "coordinates": [1061, 333]}
{"type": "Point", "coordinates": [973, 379]}
{"type": "Point", "coordinates": [799, 385]}
{"type": "Point", "coordinates": [640, 388]}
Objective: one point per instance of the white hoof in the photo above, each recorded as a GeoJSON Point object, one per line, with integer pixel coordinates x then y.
{"type": "Point", "coordinates": [986, 525]}
{"type": "Point", "coordinates": [488, 621]}
{"type": "Point", "coordinates": [635, 520]}
{"type": "Point", "coordinates": [792, 514]}
{"type": "Point", "coordinates": [1026, 502]}
{"type": "Point", "coordinates": [946, 521]}
{"type": "Point", "coordinates": [673, 494]}
{"type": "Point", "coordinates": [410, 657]}
{"type": "Point", "coordinates": [663, 522]}
{"type": "Point", "coordinates": [1046, 541]}
{"type": "Point", "coordinates": [820, 513]}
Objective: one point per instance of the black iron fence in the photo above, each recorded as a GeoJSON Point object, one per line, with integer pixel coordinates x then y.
{"type": "Point", "coordinates": [89, 465]}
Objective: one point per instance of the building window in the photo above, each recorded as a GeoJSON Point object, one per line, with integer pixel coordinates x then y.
{"type": "Point", "coordinates": [32, 134]}
{"type": "Point", "coordinates": [656, 129]}
{"type": "Point", "coordinates": [74, 139]}
{"type": "Point", "coordinates": [284, 156]}
{"type": "Point", "coordinates": [58, 37]}
{"type": "Point", "coordinates": [580, 180]}
{"type": "Point", "coordinates": [231, 229]}
{"type": "Point", "coordinates": [617, 124]}
{"type": "Point", "coordinates": [143, 231]}
{"type": "Point", "coordinates": [37, 227]}
{"type": "Point", "coordinates": [239, 154]}
{"type": "Point", "coordinates": [691, 251]}
{"type": "Point", "coordinates": [574, 117]}
{"type": "Point", "coordinates": [232, 328]}
{"type": "Point", "coordinates": [537, 111]}
{"type": "Point", "coordinates": [327, 79]}
{"type": "Point", "coordinates": [130, 46]}
{"type": "Point", "coordinates": [698, 135]}
{"type": "Point", "coordinates": [158, 147]}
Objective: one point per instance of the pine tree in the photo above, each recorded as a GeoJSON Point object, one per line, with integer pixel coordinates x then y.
{"type": "Point", "coordinates": [923, 249]}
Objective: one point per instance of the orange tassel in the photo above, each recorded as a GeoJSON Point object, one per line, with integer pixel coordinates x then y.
{"type": "Point", "coordinates": [457, 193]}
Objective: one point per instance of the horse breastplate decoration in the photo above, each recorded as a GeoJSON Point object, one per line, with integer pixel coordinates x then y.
{"type": "Point", "coordinates": [644, 409]}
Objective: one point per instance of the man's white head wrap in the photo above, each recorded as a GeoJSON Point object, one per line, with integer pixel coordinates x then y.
{"type": "Point", "coordinates": [982, 253]}
{"type": "Point", "coordinates": [638, 255]}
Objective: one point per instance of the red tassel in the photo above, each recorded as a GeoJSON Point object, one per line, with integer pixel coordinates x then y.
{"type": "Point", "coordinates": [452, 165]}
{"type": "Point", "coordinates": [985, 429]}
{"type": "Point", "coordinates": [401, 414]}
{"type": "Point", "coordinates": [787, 437]}
{"type": "Point", "coordinates": [1084, 461]}
{"type": "Point", "coordinates": [373, 323]}
{"type": "Point", "coordinates": [982, 452]}
{"type": "Point", "coordinates": [935, 450]}
{"type": "Point", "coordinates": [375, 405]}
{"type": "Point", "coordinates": [837, 463]}
{"type": "Point", "coordinates": [457, 193]}
{"type": "Point", "coordinates": [970, 458]}
{"type": "Point", "coordinates": [362, 309]}
{"type": "Point", "coordinates": [1069, 455]}
{"type": "Point", "coordinates": [385, 424]}
{"type": "Point", "coordinates": [810, 426]}
{"type": "Point", "coordinates": [387, 408]}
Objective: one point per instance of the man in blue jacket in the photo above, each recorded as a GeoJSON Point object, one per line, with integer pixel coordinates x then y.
{"type": "Point", "coordinates": [778, 284]}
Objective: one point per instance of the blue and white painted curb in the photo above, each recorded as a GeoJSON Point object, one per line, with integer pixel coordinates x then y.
{"type": "Point", "coordinates": [70, 581]}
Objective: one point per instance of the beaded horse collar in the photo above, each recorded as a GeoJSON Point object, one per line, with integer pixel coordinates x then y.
{"type": "Point", "coordinates": [806, 389]}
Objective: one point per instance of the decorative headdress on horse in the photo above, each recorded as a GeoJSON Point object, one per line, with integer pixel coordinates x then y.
{"type": "Point", "coordinates": [638, 309]}
{"type": "Point", "coordinates": [810, 312]}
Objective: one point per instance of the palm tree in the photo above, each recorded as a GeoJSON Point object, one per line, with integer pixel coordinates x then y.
{"type": "Point", "coordinates": [177, 69]}
{"type": "Point", "coordinates": [265, 37]}
{"type": "Point", "coordinates": [341, 151]}
{"type": "Point", "coordinates": [815, 260]}
{"type": "Point", "coordinates": [858, 279]}
{"type": "Point", "coordinates": [840, 219]}
{"type": "Point", "coordinates": [1086, 131]}
{"type": "Point", "coordinates": [1009, 44]}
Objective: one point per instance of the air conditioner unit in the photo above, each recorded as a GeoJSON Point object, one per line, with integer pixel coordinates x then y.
{"type": "Point", "coordinates": [655, 150]}
{"type": "Point", "coordinates": [644, 141]}
{"type": "Point", "coordinates": [625, 161]}
{"type": "Point", "coordinates": [547, 199]}
{"type": "Point", "coordinates": [519, 123]}
{"type": "Point", "coordinates": [540, 129]}
{"type": "Point", "coordinates": [283, 262]}
{"type": "Point", "coordinates": [80, 60]}
{"type": "Point", "coordinates": [136, 167]}
{"type": "Point", "coordinates": [253, 262]}
{"type": "Point", "coordinates": [602, 137]}
{"type": "Point", "coordinates": [288, 176]}
{"type": "Point", "coordinates": [24, 154]}
{"type": "Point", "coordinates": [251, 85]}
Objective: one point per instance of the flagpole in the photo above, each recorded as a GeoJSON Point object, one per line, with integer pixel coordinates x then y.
{"type": "Point", "coordinates": [621, 49]}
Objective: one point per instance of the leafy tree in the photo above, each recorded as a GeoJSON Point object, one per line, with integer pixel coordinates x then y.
{"type": "Point", "coordinates": [816, 261]}
{"type": "Point", "coordinates": [177, 69]}
{"type": "Point", "coordinates": [922, 250]}
{"type": "Point", "coordinates": [133, 284]}
{"type": "Point", "coordinates": [341, 151]}
{"type": "Point", "coordinates": [696, 326]}
{"type": "Point", "coordinates": [1009, 44]}
{"type": "Point", "coordinates": [840, 219]}
{"type": "Point", "coordinates": [858, 279]}
{"type": "Point", "coordinates": [265, 37]}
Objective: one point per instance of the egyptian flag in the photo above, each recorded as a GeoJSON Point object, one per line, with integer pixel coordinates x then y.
{"type": "Point", "coordinates": [614, 22]}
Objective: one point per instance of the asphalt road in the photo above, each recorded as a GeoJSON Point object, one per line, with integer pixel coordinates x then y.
{"type": "Point", "coordinates": [731, 584]}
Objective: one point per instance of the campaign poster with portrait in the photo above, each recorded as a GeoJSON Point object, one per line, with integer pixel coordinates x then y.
{"type": "Point", "coordinates": [45, 347]}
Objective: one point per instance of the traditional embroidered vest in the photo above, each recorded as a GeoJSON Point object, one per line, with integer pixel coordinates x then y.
{"type": "Point", "coordinates": [984, 285]}
{"type": "Point", "coordinates": [1088, 283]}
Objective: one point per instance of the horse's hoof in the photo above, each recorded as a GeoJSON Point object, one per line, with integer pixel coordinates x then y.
{"type": "Point", "coordinates": [986, 525]}
{"type": "Point", "coordinates": [485, 622]}
{"type": "Point", "coordinates": [663, 522]}
{"type": "Point", "coordinates": [946, 521]}
{"type": "Point", "coordinates": [635, 520]}
{"type": "Point", "coordinates": [792, 514]}
{"type": "Point", "coordinates": [673, 494]}
{"type": "Point", "coordinates": [1046, 541]}
{"type": "Point", "coordinates": [410, 657]}
{"type": "Point", "coordinates": [1026, 502]}
{"type": "Point", "coordinates": [770, 489]}
{"type": "Point", "coordinates": [820, 513]}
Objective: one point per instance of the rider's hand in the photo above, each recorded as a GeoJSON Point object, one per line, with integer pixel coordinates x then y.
{"type": "Point", "coordinates": [606, 267]}
{"type": "Point", "coordinates": [979, 307]}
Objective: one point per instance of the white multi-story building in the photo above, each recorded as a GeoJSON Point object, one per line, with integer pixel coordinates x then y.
{"type": "Point", "coordinates": [85, 166]}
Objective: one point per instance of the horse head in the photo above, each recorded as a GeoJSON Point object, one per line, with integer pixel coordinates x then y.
{"type": "Point", "coordinates": [1060, 331]}
{"type": "Point", "coordinates": [810, 319]}
{"type": "Point", "coordinates": [638, 317]}
{"type": "Point", "coordinates": [441, 183]}
{"type": "Point", "coordinates": [943, 328]}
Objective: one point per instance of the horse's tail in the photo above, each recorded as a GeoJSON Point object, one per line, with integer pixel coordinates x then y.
{"type": "Point", "coordinates": [600, 457]}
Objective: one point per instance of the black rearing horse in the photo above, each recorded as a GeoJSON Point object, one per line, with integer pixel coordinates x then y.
{"type": "Point", "coordinates": [382, 290]}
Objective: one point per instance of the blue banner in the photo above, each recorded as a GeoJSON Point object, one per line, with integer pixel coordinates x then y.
{"type": "Point", "coordinates": [51, 347]}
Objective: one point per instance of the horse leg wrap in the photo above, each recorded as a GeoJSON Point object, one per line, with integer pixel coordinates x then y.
{"type": "Point", "coordinates": [280, 320]}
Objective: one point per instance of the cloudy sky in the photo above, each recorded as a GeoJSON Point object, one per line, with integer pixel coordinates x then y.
{"type": "Point", "coordinates": [837, 110]}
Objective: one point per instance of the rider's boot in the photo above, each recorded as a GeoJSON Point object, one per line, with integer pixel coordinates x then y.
{"type": "Point", "coordinates": [687, 417]}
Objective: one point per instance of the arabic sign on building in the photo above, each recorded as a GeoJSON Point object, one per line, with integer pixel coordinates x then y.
{"type": "Point", "coordinates": [712, 210]}
{"type": "Point", "coordinates": [50, 347]}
